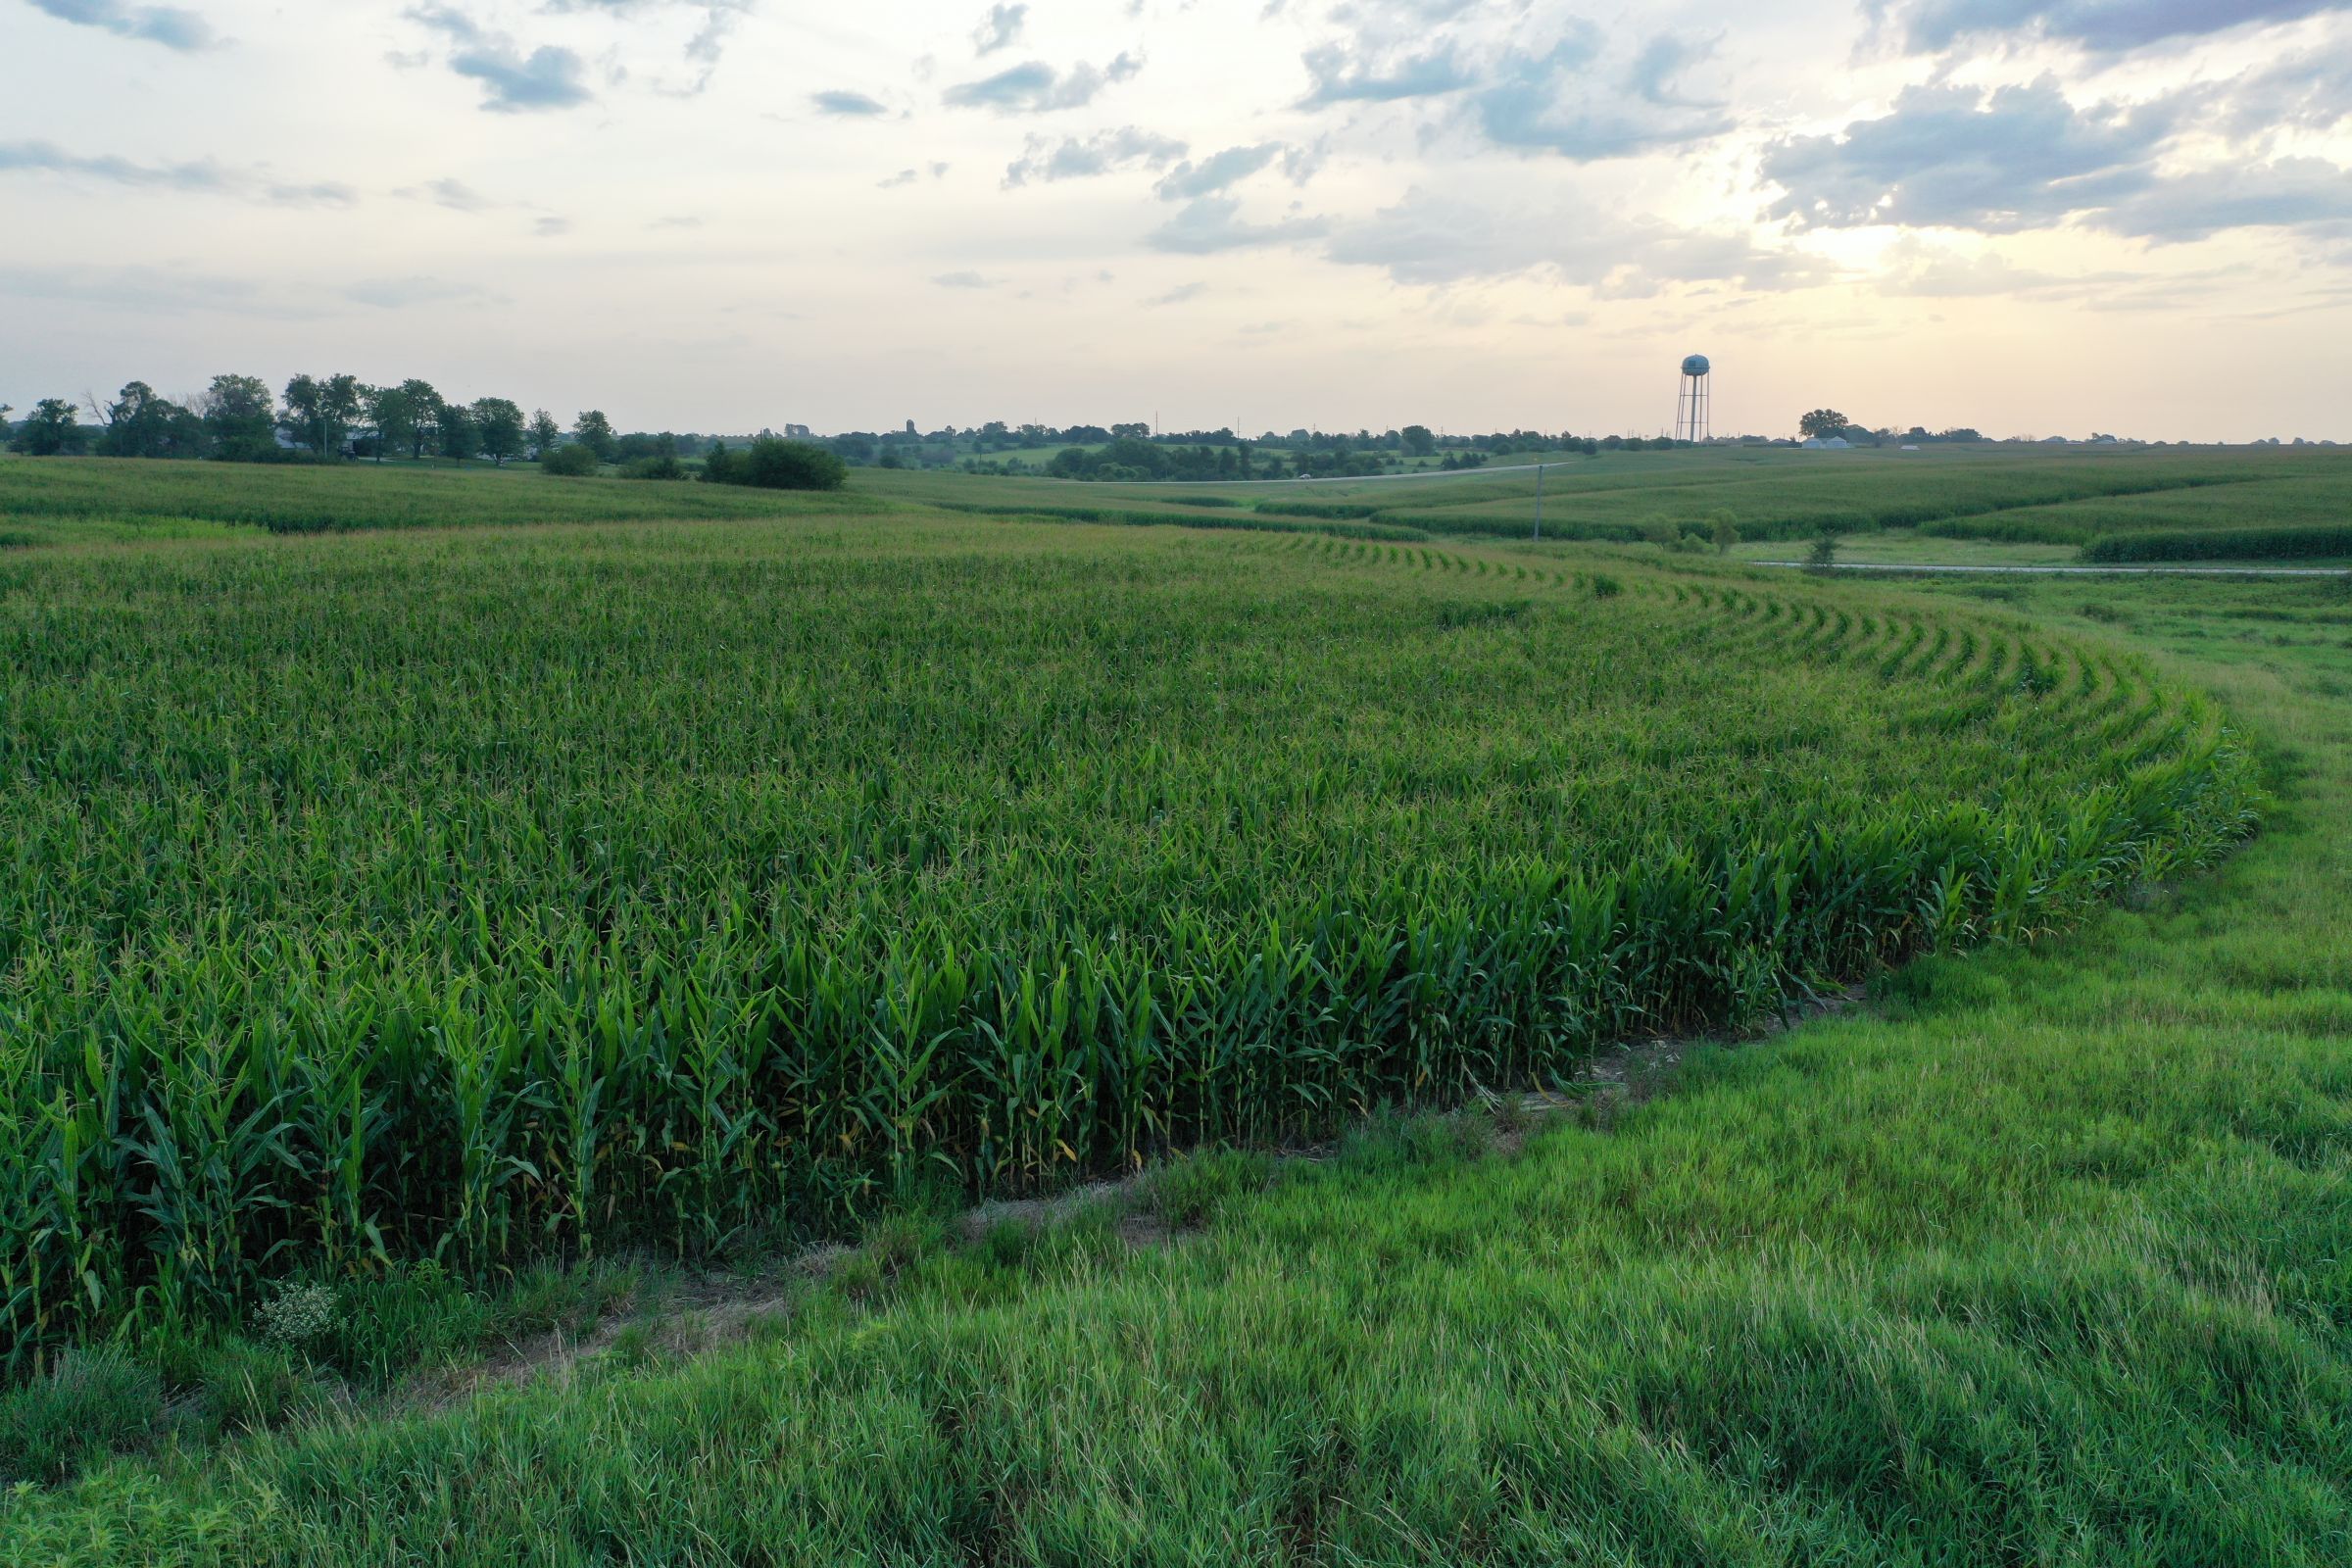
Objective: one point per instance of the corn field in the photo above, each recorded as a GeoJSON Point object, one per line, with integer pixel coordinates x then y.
{"type": "Point", "coordinates": [505, 895]}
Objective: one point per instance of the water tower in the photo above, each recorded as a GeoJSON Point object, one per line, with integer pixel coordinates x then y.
{"type": "Point", "coordinates": [1691, 420]}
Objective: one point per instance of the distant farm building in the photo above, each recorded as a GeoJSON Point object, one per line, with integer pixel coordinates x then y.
{"type": "Point", "coordinates": [1836, 443]}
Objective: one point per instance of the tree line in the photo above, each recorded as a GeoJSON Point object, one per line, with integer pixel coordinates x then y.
{"type": "Point", "coordinates": [337, 417]}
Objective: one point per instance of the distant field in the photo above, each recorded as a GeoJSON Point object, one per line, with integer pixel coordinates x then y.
{"type": "Point", "coordinates": [77, 499]}
{"type": "Point", "coordinates": [2070, 497]}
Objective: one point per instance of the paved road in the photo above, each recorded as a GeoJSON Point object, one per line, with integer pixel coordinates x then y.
{"type": "Point", "coordinates": [2078, 571]}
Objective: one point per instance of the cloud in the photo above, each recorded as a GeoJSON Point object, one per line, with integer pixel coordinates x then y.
{"type": "Point", "coordinates": [1045, 160]}
{"type": "Point", "coordinates": [397, 293]}
{"type": "Point", "coordinates": [513, 82]}
{"type": "Point", "coordinates": [167, 25]}
{"type": "Point", "coordinates": [201, 178]}
{"type": "Point", "coordinates": [146, 288]}
{"type": "Point", "coordinates": [550, 227]}
{"type": "Point", "coordinates": [1000, 29]}
{"type": "Point", "coordinates": [704, 49]}
{"type": "Point", "coordinates": [907, 176]}
{"type": "Point", "coordinates": [1343, 76]}
{"type": "Point", "coordinates": [1576, 92]}
{"type": "Point", "coordinates": [1432, 239]}
{"type": "Point", "coordinates": [1662, 64]}
{"type": "Point", "coordinates": [2022, 158]}
{"type": "Point", "coordinates": [1213, 224]}
{"type": "Point", "coordinates": [2107, 26]}
{"type": "Point", "coordinates": [962, 280]}
{"type": "Point", "coordinates": [1558, 101]}
{"type": "Point", "coordinates": [1179, 295]}
{"type": "Point", "coordinates": [453, 194]}
{"type": "Point", "coordinates": [2288, 193]}
{"type": "Point", "coordinates": [1037, 88]}
{"type": "Point", "coordinates": [1215, 174]}
{"type": "Point", "coordinates": [847, 105]}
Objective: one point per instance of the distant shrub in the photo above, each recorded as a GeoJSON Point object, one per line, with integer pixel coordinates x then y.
{"type": "Point", "coordinates": [1605, 586]}
{"type": "Point", "coordinates": [660, 466]}
{"type": "Point", "coordinates": [774, 464]}
{"type": "Point", "coordinates": [575, 460]}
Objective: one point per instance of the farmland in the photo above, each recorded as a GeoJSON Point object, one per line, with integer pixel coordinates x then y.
{"type": "Point", "coordinates": [507, 893]}
{"type": "Point", "coordinates": [2302, 498]}
{"type": "Point", "coordinates": [541, 892]}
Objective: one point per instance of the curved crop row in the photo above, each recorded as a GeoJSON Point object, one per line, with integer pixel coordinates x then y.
{"type": "Point", "coordinates": [383, 898]}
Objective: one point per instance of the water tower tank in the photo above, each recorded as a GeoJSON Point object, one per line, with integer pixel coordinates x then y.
{"type": "Point", "coordinates": [1697, 365]}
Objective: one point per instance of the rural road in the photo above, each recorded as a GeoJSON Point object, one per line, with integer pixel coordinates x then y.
{"type": "Point", "coordinates": [2078, 571]}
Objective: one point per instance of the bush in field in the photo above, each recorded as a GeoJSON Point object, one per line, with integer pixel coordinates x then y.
{"type": "Point", "coordinates": [576, 461]}
{"type": "Point", "coordinates": [771, 463]}
{"type": "Point", "coordinates": [663, 465]}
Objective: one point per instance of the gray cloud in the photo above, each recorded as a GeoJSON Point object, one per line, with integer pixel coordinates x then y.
{"type": "Point", "coordinates": [1565, 97]}
{"type": "Point", "coordinates": [2288, 193]}
{"type": "Point", "coordinates": [453, 194]}
{"type": "Point", "coordinates": [962, 280]}
{"type": "Point", "coordinates": [849, 105]}
{"type": "Point", "coordinates": [1046, 159]}
{"type": "Point", "coordinates": [2025, 158]}
{"type": "Point", "coordinates": [1561, 102]}
{"type": "Point", "coordinates": [1036, 88]}
{"type": "Point", "coordinates": [1948, 157]}
{"type": "Point", "coordinates": [2101, 24]}
{"type": "Point", "coordinates": [1178, 295]}
{"type": "Point", "coordinates": [1000, 29]}
{"type": "Point", "coordinates": [513, 82]}
{"type": "Point", "coordinates": [1213, 224]}
{"type": "Point", "coordinates": [1216, 172]}
{"type": "Point", "coordinates": [167, 25]}
{"type": "Point", "coordinates": [1344, 75]}
{"type": "Point", "coordinates": [203, 178]}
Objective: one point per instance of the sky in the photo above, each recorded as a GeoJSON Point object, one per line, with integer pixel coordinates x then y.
{"type": "Point", "coordinates": [2035, 219]}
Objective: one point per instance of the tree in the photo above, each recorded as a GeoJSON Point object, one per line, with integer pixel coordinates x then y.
{"type": "Point", "coordinates": [51, 430]}
{"type": "Point", "coordinates": [1418, 441]}
{"type": "Point", "coordinates": [460, 438]}
{"type": "Point", "coordinates": [1822, 423]}
{"type": "Point", "coordinates": [572, 462]}
{"type": "Point", "coordinates": [498, 427]}
{"type": "Point", "coordinates": [594, 432]}
{"type": "Point", "coordinates": [774, 464]}
{"type": "Point", "coordinates": [544, 434]}
{"type": "Point", "coordinates": [238, 419]}
{"type": "Point", "coordinates": [1822, 556]}
{"type": "Point", "coordinates": [140, 425]}
{"type": "Point", "coordinates": [391, 414]}
{"type": "Point", "coordinates": [319, 414]}
{"type": "Point", "coordinates": [425, 415]}
{"type": "Point", "coordinates": [1725, 530]}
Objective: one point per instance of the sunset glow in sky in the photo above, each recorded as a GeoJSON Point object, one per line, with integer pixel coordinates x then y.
{"type": "Point", "coordinates": [2130, 216]}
